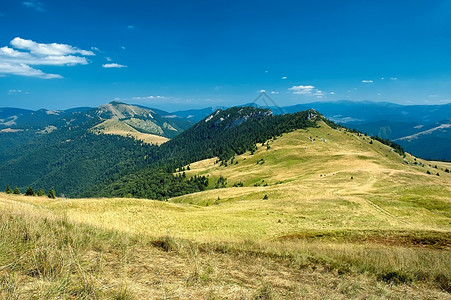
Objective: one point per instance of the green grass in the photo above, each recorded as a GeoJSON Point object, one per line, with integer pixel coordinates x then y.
{"type": "Point", "coordinates": [384, 233]}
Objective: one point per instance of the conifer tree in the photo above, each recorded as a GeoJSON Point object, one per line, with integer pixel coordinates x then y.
{"type": "Point", "coordinates": [40, 192]}
{"type": "Point", "coordinates": [30, 192]}
{"type": "Point", "coordinates": [16, 191]}
{"type": "Point", "coordinates": [52, 194]}
{"type": "Point", "coordinates": [8, 190]}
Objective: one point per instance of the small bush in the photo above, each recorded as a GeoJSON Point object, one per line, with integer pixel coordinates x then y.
{"type": "Point", "coordinates": [40, 192]}
{"type": "Point", "coordinates": [443, 282]}
{"type": "Point", "coordinates": [265, 197]}
{"type": "Point", "coordinates": [394, 277]}
{"type": "Point", "coordinates": [16, 191]}
{"type": "Point", "coordinates": [166, 244]}
{"type": "Point", "coordinates": [30, 192]}
{"type": "Point", "coordinates": [52, 194]}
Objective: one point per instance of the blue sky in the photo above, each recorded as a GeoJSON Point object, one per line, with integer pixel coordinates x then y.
{"type": "Point", "coordinates": [189, 54]}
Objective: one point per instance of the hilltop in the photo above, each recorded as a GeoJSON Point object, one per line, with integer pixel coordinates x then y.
{"type": "Point", "coordinates": [74, 149]}
{"type": "Point", "coordinates": [315, 212]}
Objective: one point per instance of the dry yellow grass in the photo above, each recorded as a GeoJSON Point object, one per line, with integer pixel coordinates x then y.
{"type": "Point", "coordinates": [320, 234]}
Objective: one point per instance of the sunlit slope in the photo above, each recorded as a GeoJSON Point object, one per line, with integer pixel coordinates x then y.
{"type": "Point", "coordinates": [327, 178]}
{"type": "Point", "coordinates": [116, 127]}
{"type": "Point", "coordinates": [318, 180]}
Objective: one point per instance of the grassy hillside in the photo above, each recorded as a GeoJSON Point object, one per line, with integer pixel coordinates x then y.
{"type": "Point", "coordinates": [116, 127]}
{"type": "Point", "coordinates": [344, 217]}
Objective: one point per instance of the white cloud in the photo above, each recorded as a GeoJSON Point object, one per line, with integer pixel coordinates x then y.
{"type": "Point", "coordinates": [308, 90]}
{"type": "Point", "coordinates": [47, 49]}
{"type": "Point", "coordinates": [284, 77]}
{"type": "Point", "coordinates": [25, 70]}
{"type": "Point", "coordinates": [147, 97]}
{"type": "Point", "coordinates": [393, 78]}
{"type": "Point", "coordinates": [113, 65]}
{"type": "Point", "coordinates": [38, 6]}
{"type": "Point", "coordinates": [274, 92]}
{"type": "Point", "coordinates": [123, 47]}
{"type": "Point", "coordinates": [332, 93]}
{"type": "Point", "coordinates": [302, 89]}
{"type": "Point", "coordinates": [26, 53]}
{"type": "Point", "coordinates": [131, 27]}
{"type": "Point", "coordinates": [108, 58]}
{"type": "Point", "coordinates": [261, 91]}
{"type": "Point", "coordinates": [382, 78]}
{"type": "Point", "coordinates": [367, 81]}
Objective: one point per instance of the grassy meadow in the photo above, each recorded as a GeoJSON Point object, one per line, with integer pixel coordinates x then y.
{"type": "Point", "coordinates": [317, 213]}
{"type": "Point", "coordinates": [116, 127]}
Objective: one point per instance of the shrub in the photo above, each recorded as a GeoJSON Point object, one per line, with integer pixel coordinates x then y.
{"type": "Point", "coordinates": [30, 192]}
{"type": "Point", "coordinates": [265, 197]}
{"type": "Point", "coordinates": [52, 194]}
{"type": "Point", "coordinates": [16, 191]}
{"type": "Point", "coordinates": [394, 277]}
{"type": "Point", "coordinates": [40, 192]}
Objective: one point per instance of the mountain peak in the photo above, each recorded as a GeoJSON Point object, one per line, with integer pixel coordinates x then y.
{"type": "Point", "coordinates": [235, 116]}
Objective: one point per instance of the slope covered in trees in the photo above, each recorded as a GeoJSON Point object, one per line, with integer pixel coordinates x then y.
{"type": "Point", "coordinates": [223, 134]}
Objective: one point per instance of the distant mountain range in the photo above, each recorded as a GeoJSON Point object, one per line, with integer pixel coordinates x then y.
{"type": "Point", "coordinates": [423, 130]}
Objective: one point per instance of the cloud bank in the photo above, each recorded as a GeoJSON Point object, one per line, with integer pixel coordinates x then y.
{"type": "Point", "coordinates": [26, 53]}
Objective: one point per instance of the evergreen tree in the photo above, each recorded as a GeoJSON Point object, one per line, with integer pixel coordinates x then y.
{"type": "Point", "coordinates": [30, 192]}
{"type": "Point", "coordinates": [8, 190]}
{"type": "Point", "coordinates": [52, 194]}
{"type": "Point", "coordinates": [16, 191]}
{"type": "Point", "coordinates": [40, 192]}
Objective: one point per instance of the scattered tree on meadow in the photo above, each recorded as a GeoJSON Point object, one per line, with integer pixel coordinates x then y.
{"type": "Point", "coordinates": [8, 190]}
{"type": "Point", "coordinates": [221, 183]}
{"type": "Point", "coordinates": [52, 194]}
{"type": "Point", "coordinates": [40, 192]}
{"type": "Point", "coordinates": [30, 192]}
{"type": "Point", "coordinates": [16, 191]}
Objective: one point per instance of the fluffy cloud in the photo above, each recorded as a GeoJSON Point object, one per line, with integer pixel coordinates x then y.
{"type": "Point", "coordinates": [26, 53]}
{"type": "Point", "coordinates": [113, 65]}
{"type": "Point", "coordinates": [284, 77]}
{"type": "Point", "coordinates": [308, 90]}
{"type": "Point", "coordinates": [25, 70]}
{"type": "Point", "coordinates": [52, 49]}
{"type": "Point", "coordinates": [367, 81]}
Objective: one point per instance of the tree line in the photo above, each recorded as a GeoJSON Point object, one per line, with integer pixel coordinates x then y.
{"type": "Point", "coordinates": [30, 192]}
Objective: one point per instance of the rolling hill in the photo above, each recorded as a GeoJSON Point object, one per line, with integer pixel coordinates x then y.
{"type": "Point", "coordinates": [75, 149]}
{"type": "Point", "coordinates": [315, 212]}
